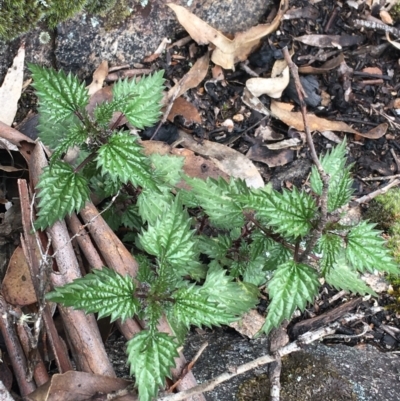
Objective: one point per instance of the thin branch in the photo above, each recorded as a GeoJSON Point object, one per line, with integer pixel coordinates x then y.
{"type": "Point", "coordinates": [297, 345]}
{"type": "Point", "coordinates": [372, 195]}
{"type": "Point", "coordinates": [316, 234]}
{"type": "Point", "coordinates": [188, 367]}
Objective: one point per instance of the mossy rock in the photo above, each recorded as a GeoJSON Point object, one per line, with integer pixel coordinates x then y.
{"type": "Point", "coordinates": [20, 16]}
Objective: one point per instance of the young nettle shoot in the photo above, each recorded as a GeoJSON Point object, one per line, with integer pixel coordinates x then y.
{"type": "Point", "coordinates": [259, 237]}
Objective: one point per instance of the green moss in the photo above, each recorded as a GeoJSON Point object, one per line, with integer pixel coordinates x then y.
{"type": "Point", "coordinates": [117, 14]}
{"type": "Point", "coordinates": [395, 11]}
{"type": "Point", "coordinates": [384, 210]}
{"type": "Point", "coordinates": [97, 7]}
{"type": "Point", "coordinates": [20, 16]}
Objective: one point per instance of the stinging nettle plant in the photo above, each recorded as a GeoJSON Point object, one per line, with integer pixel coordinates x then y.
{"type": "Point", "coordinates": [203, 248]}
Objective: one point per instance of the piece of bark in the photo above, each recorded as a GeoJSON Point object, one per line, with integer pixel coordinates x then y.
{"type": "Point", "coordinates": [14, 349]}
{"type": "Point", "coordinates": [324, 319]}
{"type": "Point", "coordinates": [29, 245]}
{"type": "Point", "coordinates": [82, 330]}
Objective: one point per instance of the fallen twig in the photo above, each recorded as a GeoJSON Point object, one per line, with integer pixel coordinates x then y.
{"type": "Point", "coordinates": [387, 177]}
{"type": "Point", "coordinates": [380, 191]}
{"type": "Point", "coordinates": [297, 345]}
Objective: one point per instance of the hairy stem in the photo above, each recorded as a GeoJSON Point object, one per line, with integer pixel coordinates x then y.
{"type": "Point", "coordinates": [317, 232]}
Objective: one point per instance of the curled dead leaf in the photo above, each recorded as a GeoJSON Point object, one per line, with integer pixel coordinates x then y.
{"type": "Point", "coordinates": [254, 102]}
{"type": "Point", "coordinates": [327, 66]}
{"type": "Point", "coordinates": [274, 86]}
{"type": "Point", "coordinates": [282, 111]}
{"type": "Point", "coordinates": [227, 51]}
{"type": "Point", "coordinates": [98, 78]}
{"type": "Point", "coordinates": [192, 78]}
{"type": "Point", "coordinates": [188, 111]}
{"type": "Point", "coordinates": [230, 161]}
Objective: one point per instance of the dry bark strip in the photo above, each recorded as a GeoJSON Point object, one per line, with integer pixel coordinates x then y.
{"type": "Point", "coordinates": [29, 246]}
{"type": "Point", "coordinates": [324, 319]}
{"type": "Point", "coordinates": [83, 333]}
{"type": "Point", "coordinates": [14, 349]}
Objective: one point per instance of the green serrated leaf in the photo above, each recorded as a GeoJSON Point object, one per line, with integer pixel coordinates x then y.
{"type": "Point", "coordinates": [168, 168]}
{"type": "Point", "coordinates": [103, 291]}
{"type": "Point", "coordinates": [144, 109]}
{"type": "Point", "coordinates": [61, 95]}
{"type": "Point", "coordinates": [170, 238]}
{"type": "Point", "coordinates": [290, 213]}
{"type": "Point", "coordinates": [277, 255]}
{"type": "Point", "coordinates": [215, 247]}
{"type": "Point", "coordinates": [145, 273]}
{"type": "Point", "coordinates": [52, 134]}
{"type": "Point", "coordinates": [151, 356]}
{"type": "Point", "coordinates": [366, 250]}
{"type": "Point", "coordinates": [178, 328]}
{"type": "Point", "coordinates": [192, 306]}
{"type": "Point", "coordinates": [217, 198]}
{"type": "Point", "coordinates": [340, 182]}
{"type": "Point", "coordinates": [342, 277]}
{"type": "Point", "coordinates": [291, 287]}
{"type": "Point", "coordinates": [104, 186]}
{"type": "Point", "coordinates": [130, 218]}
{"type": "Point", "coordinates": [330, 245]}
{"type": "Point", "coordinates": [152, 204]}
{"type": "Point", "coordinates": [103, 112]}
{"type": "Point", "coordinates": [62, 191]}
{"type": "Point", "coordinates": [235, 297]}
{"type": "Point", "coordinates": [76, 136]}
{"type": "Point", "coordinates": [122, 158]}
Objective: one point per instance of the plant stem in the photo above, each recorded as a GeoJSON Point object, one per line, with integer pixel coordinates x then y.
{"type": "Point", "coordinates": [316, 233]}
{"type": "Point", "coordinates": [88, 159]}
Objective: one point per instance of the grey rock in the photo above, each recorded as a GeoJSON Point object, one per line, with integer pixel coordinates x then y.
{"type": "Point", "coordinates": [319, 372]}
{"type": "Point", "coordinates": [81, 43]}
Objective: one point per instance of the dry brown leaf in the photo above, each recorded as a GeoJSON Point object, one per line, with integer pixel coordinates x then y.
{"type": "Point", "coordinates": [17, 286]}
{"type": "Point", "coordinates": [76, 386]}
{"type": "Point", "coordinates": [98, 78]}
{"type": "Point", "coordinates": [254, 102]}
{"type": "Point", "coordinates": [249, 324]}
{"type": "Point", "coordinates": [10, 91]}
{"type": "Point", "coordinates": [267, 134]}
{"type": "Point", "coordinates": [331, 136]}
{"type": "Point", "coordinates": [188, 111]}
{"type": "Point", "coordinates": [227, 51]}
{"type": "Point", "coordinates": [193, 166]}
{"type": "Point", "coordinates": [272, 158]}
{"type": "Point", "coordinates": [386, 17]}
{"type": "Point", "coordinates": [337, 41]}
{"type": "Point", "coordinates": [282, 111]}
{"type": "Point", "coordinates": [158, 51]}
{"type": "Point", "coordinates": [192, 78]}
{"type": "Point", "coordinates": [274, 86]}
{"type": "Point", "coordinates": [228, 160]}
{"type": "Point", "coordinates": [372, 70]}
{"type": "Point", "coordinates": [285, 144]}
{"type": "Point", "coordinates": [327, 66]}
